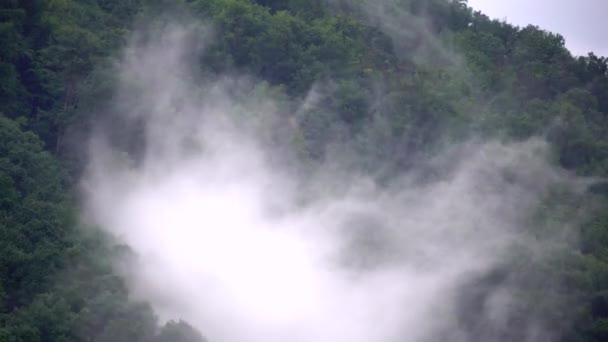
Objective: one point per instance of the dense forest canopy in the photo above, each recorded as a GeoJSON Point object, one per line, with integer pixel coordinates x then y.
{"type": "Point", "coordinates": [399, 80]}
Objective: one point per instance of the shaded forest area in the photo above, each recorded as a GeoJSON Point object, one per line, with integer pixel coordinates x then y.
{"type": "Point", "coordinates": [399, 93]}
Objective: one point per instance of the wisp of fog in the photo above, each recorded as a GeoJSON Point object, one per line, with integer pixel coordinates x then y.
{"type": "Point", "coordinates": [245, 249]}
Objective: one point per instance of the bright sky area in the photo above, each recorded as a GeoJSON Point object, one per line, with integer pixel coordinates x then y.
{"type": "Point", "coordinates": [583, 23]}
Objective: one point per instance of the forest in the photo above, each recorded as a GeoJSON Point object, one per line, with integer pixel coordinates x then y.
{"type": "Point", "coordinates": [402, 80]}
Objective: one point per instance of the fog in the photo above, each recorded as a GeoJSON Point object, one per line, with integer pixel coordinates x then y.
{"type": "Point", "coordinates": [228, 236]}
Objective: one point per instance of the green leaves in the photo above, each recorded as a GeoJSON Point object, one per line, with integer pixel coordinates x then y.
{"type": "Point", "coordinates": [178, 332]}
{"type": "Point", "coordinates": [386, 104]}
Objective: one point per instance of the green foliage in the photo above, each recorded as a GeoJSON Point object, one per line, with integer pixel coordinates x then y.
{"type": "Point", "coordinates": [33, 218]}
{"type": "Point", "coordinates": [48, 49]}
{"type": "Point", "coordinates": [281, 47]}
{"type": "Point", "coordinates": [178, 332]}
{"type": "Point", "coordinates": [373, 93]}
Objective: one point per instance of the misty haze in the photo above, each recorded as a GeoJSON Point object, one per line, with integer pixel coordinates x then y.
{"type": "Point", "coordinates": [326, 170]}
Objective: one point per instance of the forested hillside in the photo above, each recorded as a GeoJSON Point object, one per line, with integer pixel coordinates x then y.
{"type": "Point", "coordinates": [401, 79]}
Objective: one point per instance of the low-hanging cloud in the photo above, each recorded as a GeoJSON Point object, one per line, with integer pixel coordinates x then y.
{"type": "Point", "coordinates": [246, 250]}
